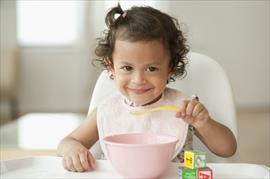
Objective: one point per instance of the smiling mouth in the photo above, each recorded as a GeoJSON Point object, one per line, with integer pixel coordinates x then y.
{"type": "Point", "coordinates": [140, 91]}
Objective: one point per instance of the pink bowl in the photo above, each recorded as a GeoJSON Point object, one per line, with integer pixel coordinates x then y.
{"type": "Point", "coordinates": [140, 155]}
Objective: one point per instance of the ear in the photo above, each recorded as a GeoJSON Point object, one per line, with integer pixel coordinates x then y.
{"type": "Point", "coordinates": [169, 75]}
{"type": "Point", "coordinates": [112, 71]}
{"type": "Point", "coordinates": [109, 65]}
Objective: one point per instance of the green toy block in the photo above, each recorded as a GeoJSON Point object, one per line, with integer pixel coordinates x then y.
{"type": "Point", "coordinates": [198, 173]}
{"type": "Point", "coordinates": [189, 174]}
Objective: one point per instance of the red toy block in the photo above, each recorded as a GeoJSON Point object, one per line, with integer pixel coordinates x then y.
{"type": "Point", "coordinates": [205, 173]}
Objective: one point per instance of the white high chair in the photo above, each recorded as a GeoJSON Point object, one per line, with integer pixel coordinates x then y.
{"type": "Point", "coordinates": [205, 78]}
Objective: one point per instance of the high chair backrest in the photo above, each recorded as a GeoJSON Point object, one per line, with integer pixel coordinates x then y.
{"type": "Point", "coordinates": [205, 78]}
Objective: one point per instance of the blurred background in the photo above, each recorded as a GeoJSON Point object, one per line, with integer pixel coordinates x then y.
{"type": "Point", "coordinates": [47, 48]}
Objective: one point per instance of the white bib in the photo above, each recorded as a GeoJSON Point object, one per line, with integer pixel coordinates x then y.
{"type": "Point", "coordinates": [113, 117]}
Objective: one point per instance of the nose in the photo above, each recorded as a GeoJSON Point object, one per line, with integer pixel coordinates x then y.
{"type": "Point", "coordinates": [138, 78]}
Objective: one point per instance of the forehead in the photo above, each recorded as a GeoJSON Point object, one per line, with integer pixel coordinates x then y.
{"type": "Point", "coordinates": [144, 51]}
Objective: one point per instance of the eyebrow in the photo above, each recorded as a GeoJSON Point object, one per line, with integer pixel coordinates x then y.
{"type": "Point", "coordinates": [127, 63]}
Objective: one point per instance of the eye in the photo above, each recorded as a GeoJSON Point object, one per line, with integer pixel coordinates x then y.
{"type": "Point", "coordinates": [126, 68]}
{"type": "Point", "coordinates": [151, 69]}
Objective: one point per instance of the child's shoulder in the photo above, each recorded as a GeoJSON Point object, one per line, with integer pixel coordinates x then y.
{"type": "Point", "coordinates": [113, 98]}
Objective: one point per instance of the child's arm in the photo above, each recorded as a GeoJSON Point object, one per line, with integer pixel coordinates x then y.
{"type": "Point", "coordinates": [74, 148]}
{"type": "Point", "coordinates": [217, 137]}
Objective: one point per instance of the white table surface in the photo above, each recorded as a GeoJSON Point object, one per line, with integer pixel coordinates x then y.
{"type": "Point", "coordinates": [51, 167]}
{"type": "Point", "coordinates": [31, 130]}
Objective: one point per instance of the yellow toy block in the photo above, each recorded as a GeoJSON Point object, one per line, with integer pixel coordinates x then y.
{"type": "Point", "coordinates": [195, 159]}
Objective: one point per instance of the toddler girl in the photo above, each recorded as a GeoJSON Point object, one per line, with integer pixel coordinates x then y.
{"type": "Point", "coordinates": [144, 50]}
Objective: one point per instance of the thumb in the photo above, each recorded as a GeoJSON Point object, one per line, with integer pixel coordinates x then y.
{"type": "Point", "coordinates": [182, 109]}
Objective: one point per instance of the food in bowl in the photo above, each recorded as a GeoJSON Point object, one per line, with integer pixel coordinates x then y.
{"type": "Point", "coordinates": [140, 155]}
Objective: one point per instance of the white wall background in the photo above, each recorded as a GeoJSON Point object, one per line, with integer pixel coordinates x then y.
{"type": "Point", "coordinates": [235, 33]}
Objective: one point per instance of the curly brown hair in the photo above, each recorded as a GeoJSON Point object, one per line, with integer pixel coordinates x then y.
{"type": "Point", "coordinates": [146, 24]}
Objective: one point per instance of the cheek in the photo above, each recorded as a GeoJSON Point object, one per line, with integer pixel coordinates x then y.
{"type": "Point", "coordinates": [163, 78]}
{"type": "Point", "coordinates": [160, 83]}
{"type": "Point", "coordinates": [121, 80]}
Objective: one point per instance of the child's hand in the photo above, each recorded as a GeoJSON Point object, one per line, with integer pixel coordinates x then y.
{"type": "Point", "coordinates": [194, 113]}
{"type": "Point", "coordinates": [78, 159]}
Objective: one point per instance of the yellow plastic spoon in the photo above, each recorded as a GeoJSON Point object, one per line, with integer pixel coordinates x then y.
{"type": "Point", "coordinates": [160, 108]}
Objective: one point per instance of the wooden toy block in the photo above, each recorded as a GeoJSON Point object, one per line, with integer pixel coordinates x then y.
{"type": "Point", "coordinates": [180, 170]}
{"type": "Point", "coordinates": [195, 159]}
{"type": "Point", "coordinates": [189, 173]}
{"type": "Point", "coordinates": [199, 173]}
{"type": "Point", "coordinates": [205, 173]}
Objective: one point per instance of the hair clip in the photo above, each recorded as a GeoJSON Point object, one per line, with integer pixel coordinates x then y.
{"type": "Point", "coordinates": [124, 14]}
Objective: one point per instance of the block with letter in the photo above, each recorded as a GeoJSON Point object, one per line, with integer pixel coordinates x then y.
{"type": "Point", "coordinates": [204, 173]}
{"type": "Point", "coordinates": [197, 173]}
{"type": "Point", "coordinates": [189, 173]}
{"type": "Point", "coordinates": [195, 159]}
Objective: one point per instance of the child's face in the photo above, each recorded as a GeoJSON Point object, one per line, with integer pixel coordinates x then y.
{"type": "Point", "coordinates": [141, 70]}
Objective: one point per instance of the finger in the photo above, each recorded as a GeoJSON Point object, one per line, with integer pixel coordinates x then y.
{"type": "Point", "coordinates": [69, 164]}
{"type": "Point", "coordinates": [64, 163]}
{"type": "Point", "coordinates": [203, 114]}
{"type": "Point", "coordinates": [182, 109]}
{"type": "Point", "coordinates": [84, 161]}
{"type": "Point", "coordinates": [190, 107]}
{"type": "Point", "coordinates": [77, 163]}
{"type": "Point", "coordinates": [92, 160]}
{"type": "Point", "coordinates": [189, 119]}
{"type": "Point", "coordinates": [197, 109]}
